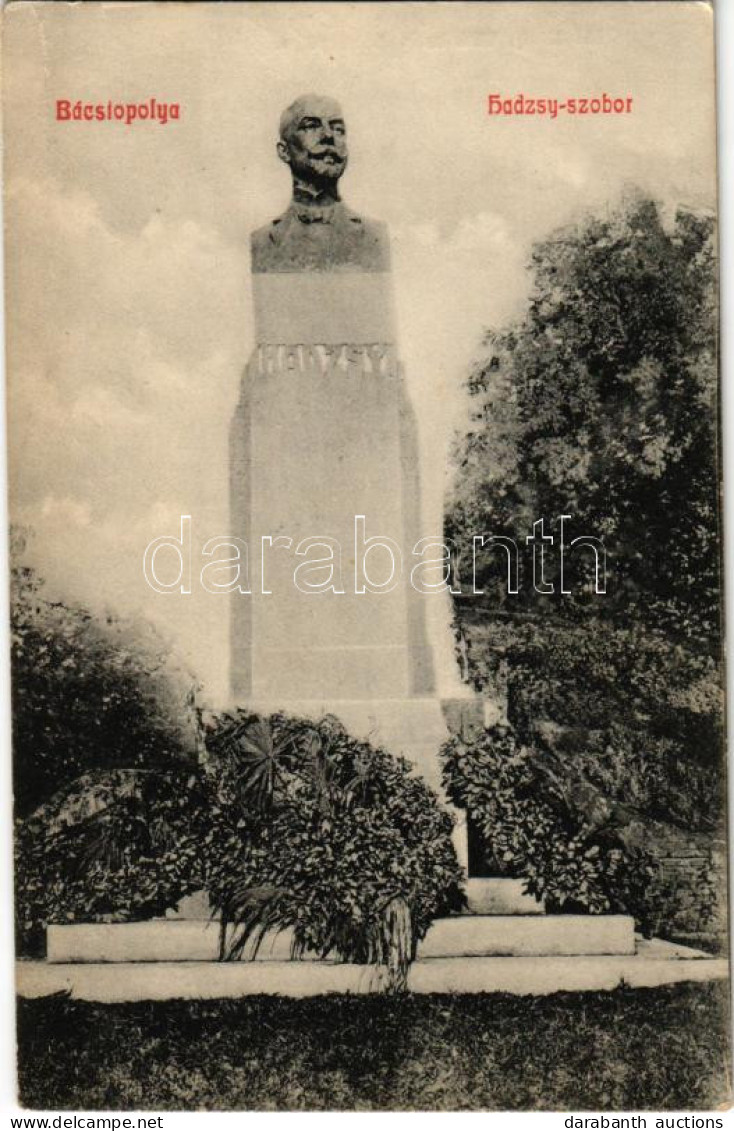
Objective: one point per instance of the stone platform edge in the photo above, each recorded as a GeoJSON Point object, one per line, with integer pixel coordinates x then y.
{"type": "Point", "coordinates": [655, 964]}
{"type": "Point", "coordinates": [462, 936]}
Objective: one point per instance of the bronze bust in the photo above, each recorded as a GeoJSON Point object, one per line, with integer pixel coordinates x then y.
{"type": "Point", "coordinates": [317, 232]}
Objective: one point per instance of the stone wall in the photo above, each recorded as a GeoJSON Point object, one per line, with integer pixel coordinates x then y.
{"type": "Point", "coordinates": [694, 896]}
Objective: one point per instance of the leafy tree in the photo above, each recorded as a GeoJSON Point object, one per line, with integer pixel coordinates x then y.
{"type": "Point", "coordinates": [129, 797]}
{"type": "Point", "coordinates": [601, 403]}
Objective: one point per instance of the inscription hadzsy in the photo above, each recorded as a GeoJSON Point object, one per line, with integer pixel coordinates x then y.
{"type": "Point", "coordinates": [369, 360]}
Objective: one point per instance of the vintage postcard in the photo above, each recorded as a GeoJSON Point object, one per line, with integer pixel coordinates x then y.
{"type": "Point", "coordinates": [366, 560]}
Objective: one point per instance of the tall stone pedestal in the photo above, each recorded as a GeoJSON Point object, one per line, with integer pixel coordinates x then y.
{"type": "Point", "coordinates": [325, 493]}
{"type": "Point", "coordinates": [324, 469]}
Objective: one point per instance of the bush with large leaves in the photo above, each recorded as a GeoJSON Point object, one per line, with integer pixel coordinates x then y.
{"type": "Point", "coordinates": [600, 402]}
{"type": "Point", "coordinates": [568, 855]}
{"type": "Point", "coordinates": [315, 831]}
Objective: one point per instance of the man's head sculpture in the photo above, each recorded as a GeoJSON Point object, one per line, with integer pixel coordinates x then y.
{"type": "Point", "coordinates": [317, 232]}
{"type": "Point", "coordinates": [313, 140]}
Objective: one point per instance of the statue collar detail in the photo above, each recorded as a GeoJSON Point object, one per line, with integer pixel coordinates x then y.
{"type": "Point", "coordinates": [315, 213]}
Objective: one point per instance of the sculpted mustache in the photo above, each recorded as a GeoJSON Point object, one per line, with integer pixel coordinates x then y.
{"type": "Point", "coordinates": [328, 153]}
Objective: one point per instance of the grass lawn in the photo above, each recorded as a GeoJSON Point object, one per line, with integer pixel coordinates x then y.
{"type": "Point", "coordinates": [628, 1049]}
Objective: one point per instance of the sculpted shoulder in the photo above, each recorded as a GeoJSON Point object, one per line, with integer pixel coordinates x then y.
{"type": "Point", "coordinates": [373, 233]}
{"type": "Point", "coordinates": [262, 239]}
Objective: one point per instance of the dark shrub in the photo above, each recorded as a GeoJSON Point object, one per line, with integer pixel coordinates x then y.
{"type": "Point", "coordinates": [568, 854]}
{"type": "Point", "coordinates": [313, 830]}
{"type": "Point", "coordinates": [122, 845]}
{"type": "Point", "coordinates": [287, 824]}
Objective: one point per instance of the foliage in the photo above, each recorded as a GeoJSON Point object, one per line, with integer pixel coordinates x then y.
{"type": "Point", "coordinates": [601, 403]}
{"type": "Point", "coordinates": [313, 830]}
{"type": "Point", "coordinates": [287, 824]}
{"type": "Point", "coordinates": [118, 846]}
{"type": "Point", "coordinates": [532, 828]}
{"type": "Point", "coordinates": [88, 693]}
{"type": "Point", "coordinates": [682, 908]}
{"type": "Point", "coordinates": [647, 713]}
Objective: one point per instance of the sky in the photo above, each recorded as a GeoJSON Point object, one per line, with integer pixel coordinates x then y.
{"type": "Point", "coordinates": [127, 257]}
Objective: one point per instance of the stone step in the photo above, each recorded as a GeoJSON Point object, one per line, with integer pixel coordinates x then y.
{"type": "Point", "coordinates": [526, 935]}
{"type": "Point", "coordinates": [180, 940]}
{"type": "Point", "coordinates": [161, 981]}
